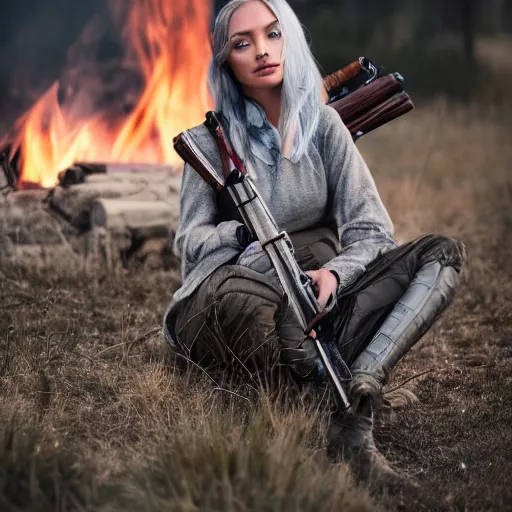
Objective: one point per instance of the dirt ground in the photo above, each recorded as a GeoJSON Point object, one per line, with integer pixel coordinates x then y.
{"type": "Point", "coordinates": [96, 415]}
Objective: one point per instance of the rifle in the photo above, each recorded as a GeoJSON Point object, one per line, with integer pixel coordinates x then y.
{"type": "Point", "coordinates": [297, 286]}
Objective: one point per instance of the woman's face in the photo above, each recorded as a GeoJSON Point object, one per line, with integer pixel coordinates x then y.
{"type": "Point", "coordinates": [256, 44]}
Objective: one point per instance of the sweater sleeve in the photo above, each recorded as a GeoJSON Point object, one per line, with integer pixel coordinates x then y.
{"type": "Point", "coordinates": [199, 236]}
{"type": "Point", "coordinates": [364, 226]}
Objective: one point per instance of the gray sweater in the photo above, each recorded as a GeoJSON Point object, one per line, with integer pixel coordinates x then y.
{"type": "Point", "coordinates": [332, 185]}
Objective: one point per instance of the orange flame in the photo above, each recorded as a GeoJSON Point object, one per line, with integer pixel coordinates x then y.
{"type": "Point", "coordinates": [171, 42]}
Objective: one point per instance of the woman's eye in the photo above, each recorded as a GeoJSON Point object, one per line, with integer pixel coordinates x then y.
{"type": "Point", "coordinates": [274, 34]}
{"type": "Point", "coordinates": [240, 44]}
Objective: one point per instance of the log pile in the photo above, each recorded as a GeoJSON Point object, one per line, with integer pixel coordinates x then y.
{"type": "Point", "coordinates": [115, 212]}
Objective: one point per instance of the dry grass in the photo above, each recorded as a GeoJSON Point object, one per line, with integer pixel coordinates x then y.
{"type": "Point", "coordinates": [95, 414]}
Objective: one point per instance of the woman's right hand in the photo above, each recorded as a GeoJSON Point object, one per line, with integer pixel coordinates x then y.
{"type": "Point", "coordinates": [326, 284]}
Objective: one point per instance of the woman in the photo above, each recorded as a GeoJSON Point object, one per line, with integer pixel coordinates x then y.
{"type": "Point", "coordinates": [318, 188]}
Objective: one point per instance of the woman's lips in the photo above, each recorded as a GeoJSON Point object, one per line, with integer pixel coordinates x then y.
{"type": "Point", "coordinates": [267, 69]}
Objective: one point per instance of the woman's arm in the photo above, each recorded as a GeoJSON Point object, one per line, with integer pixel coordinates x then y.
{"type": "Point", "coordinates": [198, 235]}
{"type": "Point", "coordinates": [364, 226]}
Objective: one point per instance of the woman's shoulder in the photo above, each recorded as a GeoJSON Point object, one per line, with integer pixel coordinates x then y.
{"type": "Point", "coordinates": [329, 118]}
{"type": "Point", "coordinates": [329, 124]}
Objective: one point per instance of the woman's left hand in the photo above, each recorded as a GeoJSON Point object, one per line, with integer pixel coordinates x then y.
{"type": "Point", "coordinates": [325, 283]}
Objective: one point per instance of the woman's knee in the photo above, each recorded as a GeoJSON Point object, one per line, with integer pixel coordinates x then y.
{"type": "Point", "coordinates": [243, 301]}
{"type": "Point", "coordinates": [447, 251]}
{"type": "Point", "coordinates": [246, 316]}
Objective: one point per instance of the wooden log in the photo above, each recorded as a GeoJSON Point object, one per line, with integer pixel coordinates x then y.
{"type": "Point", "coordinates": [133, 167]}
{"type": "Point", "coordinates": [75, 202]}
{"type": "Point", "coordinates": [156, 184]}
{"type": "Point", "coordinates": [81, 172]}
{"type": "Point", "coordinates": [144, 219]}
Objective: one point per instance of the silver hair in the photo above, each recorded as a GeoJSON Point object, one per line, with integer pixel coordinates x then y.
{"type": "Point", "coordinates": [300, 93]}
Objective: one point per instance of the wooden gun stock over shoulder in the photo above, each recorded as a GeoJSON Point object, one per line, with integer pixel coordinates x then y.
{"type": "Point", "coordinates": [191, 154]}
{"type": "Point", "coordinates": [365, 98]}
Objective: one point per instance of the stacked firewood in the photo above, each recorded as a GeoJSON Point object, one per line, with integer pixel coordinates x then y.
{"type": "Point", "coordinates": [120, 210]}
{"type": "Point", "coordinates": [117, 213]}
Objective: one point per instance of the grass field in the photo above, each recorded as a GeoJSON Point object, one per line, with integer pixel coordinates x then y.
{"type": "Point", "coordinates": [96, 415]}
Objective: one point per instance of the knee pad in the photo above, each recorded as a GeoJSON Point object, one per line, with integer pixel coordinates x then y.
{"type": "Point", "coordinates": [448, 251]}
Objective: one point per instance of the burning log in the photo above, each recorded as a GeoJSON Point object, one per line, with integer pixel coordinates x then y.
{"type": "Point", "coordinates": [78, 173]}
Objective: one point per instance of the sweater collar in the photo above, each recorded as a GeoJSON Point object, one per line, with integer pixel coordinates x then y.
{"type": "Point", "coordinates": [265, 139]}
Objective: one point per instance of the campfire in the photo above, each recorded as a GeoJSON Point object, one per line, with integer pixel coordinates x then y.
{"type": "Point", "coordinates": [168, 43]}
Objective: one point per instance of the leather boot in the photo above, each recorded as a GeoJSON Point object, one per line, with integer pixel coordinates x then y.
{"type": "Point", "coordinates": [350, 438]}
{"type": "Point", "coordinates": [428, 295]}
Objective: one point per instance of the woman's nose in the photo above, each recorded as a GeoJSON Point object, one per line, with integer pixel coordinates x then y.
{"type": "Point", "coordinates": [261, 48]}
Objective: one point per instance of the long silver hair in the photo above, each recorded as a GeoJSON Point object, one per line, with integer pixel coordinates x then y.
{"type": "Point", "coordinates": [300, 93]}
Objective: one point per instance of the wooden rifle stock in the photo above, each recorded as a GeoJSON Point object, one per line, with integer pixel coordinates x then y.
{"type": "Point", "coordinates": [364, 98]}
{"type": "Point", "coordinates": [190, 153]}
{"type": "Point", "coordinates": [338, 78]}
{"type": "Point", "coordinates": [390, 109]}
{"type": "Point", "coordinates": [373, 105]}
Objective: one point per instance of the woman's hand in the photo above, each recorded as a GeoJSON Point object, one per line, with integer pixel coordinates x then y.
{"type": "Point", "coordinates": [325, 283]}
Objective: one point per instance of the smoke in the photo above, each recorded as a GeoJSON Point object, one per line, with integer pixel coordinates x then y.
{"type": "Point", "coordinates": [99, 73]}
{"type": "Point", "coordinates": [35, 37]}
